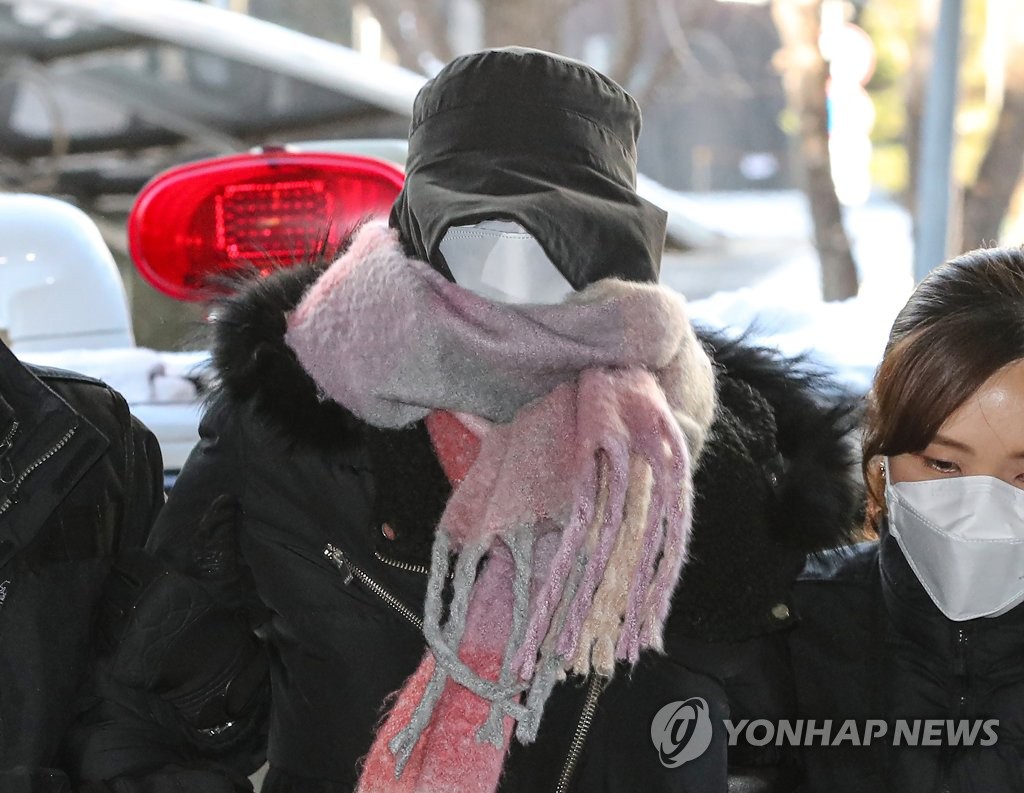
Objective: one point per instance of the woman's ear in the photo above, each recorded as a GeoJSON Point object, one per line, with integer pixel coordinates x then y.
{"type": "Point", "coordinates": [874, 495]}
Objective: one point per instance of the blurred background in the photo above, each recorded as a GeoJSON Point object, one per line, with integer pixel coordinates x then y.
{"type": "Point", "coordinates": [791, 140]}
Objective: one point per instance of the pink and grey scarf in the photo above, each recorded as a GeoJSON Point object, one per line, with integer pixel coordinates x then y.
{"type": "Point", "coordinates": [570, 514]}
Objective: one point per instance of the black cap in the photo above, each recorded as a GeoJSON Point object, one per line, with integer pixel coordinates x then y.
{"type": "Point", "coordinates": [540, 139]}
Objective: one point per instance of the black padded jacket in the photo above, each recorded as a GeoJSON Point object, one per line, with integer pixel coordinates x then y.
{"type": "Point", "coordinates": [871, 645]}
{"type": "Point", "coordinates": [80, 480]}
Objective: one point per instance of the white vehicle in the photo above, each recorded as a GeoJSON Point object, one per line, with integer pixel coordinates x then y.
{"type": "Point", "coordinates": [60, 286]}
{"type": "Point", "coordinates": [62, 304]}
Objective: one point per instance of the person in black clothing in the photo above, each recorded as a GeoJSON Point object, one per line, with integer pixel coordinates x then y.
{"type": "Point", "coordinates": [336, 517]}
{"type": "Point", "coordinates": [80, 480]}
{"type": "Point", "coordinates": [927, 622]}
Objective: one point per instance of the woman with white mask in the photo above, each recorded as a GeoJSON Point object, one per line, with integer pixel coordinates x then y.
{"type": "Point", "coordinates": [924, 628]}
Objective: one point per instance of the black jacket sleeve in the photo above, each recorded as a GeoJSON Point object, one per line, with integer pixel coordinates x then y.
{"type": "Point", "coordinates": [183, 648]}
{"type": "Point", "coordinates": [144, 484]}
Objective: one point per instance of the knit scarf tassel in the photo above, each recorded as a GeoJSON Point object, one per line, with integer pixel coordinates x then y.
{"type": "Point", "coordinates": [581, 597]}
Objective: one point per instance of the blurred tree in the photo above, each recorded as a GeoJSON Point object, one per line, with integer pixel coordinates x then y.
{"type": "Point", "coordinates": [989, 155]}
{"type": "Point", "coordinates": [902, 32]}
{"type": "Point", "coordinates": [805, 76]}
{"type": "Point", "coordinates": [417, 30]}
{"type": "Point", "coordinates": [987, 199]}
{"type": "Point", "coordinates": [427, 33]}
{"type": "Point", "coordinates": [916, 84]}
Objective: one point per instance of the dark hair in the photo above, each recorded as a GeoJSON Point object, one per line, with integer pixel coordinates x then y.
{"type": "Point", "coordinates": [963, 323]}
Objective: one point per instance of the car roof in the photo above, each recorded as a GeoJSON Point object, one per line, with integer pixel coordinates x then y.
{"type": "Point", "coordinates": [103, 95]}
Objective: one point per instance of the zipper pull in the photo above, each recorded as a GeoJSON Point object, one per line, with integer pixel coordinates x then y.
{"type": "Point", "coordinates": [7, 475]}
{"type": "Point", "coordinates": [960, 653]}
{"type": "Point", "coordinates": [6, 466]}
{"type": "Point", "coordinates": [339, 560]}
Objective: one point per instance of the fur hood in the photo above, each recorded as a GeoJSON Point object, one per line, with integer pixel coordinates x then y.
{"type": "Point", "coordinates": [252, 362]}
{"type": "Point", "coordinates": [818, 496]}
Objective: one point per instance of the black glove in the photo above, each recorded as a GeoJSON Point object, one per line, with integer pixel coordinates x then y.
{"type": "Point", "coordinates": [213, 556]}
{"type": "Point", "coordinates": [174, 632]}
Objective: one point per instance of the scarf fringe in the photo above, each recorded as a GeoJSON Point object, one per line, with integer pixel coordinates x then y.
{"type": "Point", "coordinates": [604, 592]}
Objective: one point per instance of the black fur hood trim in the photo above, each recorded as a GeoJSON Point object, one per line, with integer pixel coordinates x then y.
{"type": "Point", "coordinates": [818, 497]}
{"type": "Point", "coordinates": [253, 363]}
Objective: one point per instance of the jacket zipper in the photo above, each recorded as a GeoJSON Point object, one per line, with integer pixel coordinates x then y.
{"type": "Point", "coordinates": [961, 651]}
{"type": "Point", "coordinates": [408, 567]}
{"type": "Point", "coordinates": [579, 738]}
{"type": "Point", "coordinates": [338, 558]}
{"type": "Point", "coordinates": [6, 466]}
{"type": "Point", "coordinates": [342, 562]}
{"type": "Point", "coordinates": [422, 569]}
{"type": "Point", "coordinates": [17, 482]}
{"type": "Point", "coordinates": [961, 671]}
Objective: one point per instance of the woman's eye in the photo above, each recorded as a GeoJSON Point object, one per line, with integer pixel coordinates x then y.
{"type": "Point", "coordinates": [942, 466]}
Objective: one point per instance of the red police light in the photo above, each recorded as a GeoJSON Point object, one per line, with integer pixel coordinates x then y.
{"type": "Point", "coordinates": [266, 209]}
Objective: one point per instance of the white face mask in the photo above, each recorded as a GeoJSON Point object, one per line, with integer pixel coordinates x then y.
{"type": "Point", "coordinates": [964, 539]}
{"type": "Point", "coordinates": [500, 260]}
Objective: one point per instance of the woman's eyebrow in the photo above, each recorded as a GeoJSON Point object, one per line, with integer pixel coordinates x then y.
{"type": "Point", "coordinates": [942, 440]}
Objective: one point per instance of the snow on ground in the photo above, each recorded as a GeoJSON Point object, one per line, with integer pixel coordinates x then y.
{"type": "Point", "coordinates": [783, 307]}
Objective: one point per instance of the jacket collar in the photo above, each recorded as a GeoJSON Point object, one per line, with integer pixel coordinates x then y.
{"type": "Point", "coordinates": [50, 447]}
{"type": "Point", "coordinates": [969, 646]}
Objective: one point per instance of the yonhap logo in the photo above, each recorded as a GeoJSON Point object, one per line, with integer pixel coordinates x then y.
{"type": "Point", "coordinates": [681, 731]}
{"type": "Point", "coordinates": [902, 732]}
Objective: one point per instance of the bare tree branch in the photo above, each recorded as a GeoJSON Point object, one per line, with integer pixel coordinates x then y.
{"type": "Point", "coordinates": [726, 73]}
{"type": "Point", "coordinates": [426, 37]}
{"type": "Point", "coordinates": [805, 74]}
{"type": "Point", "coordinates": [630, 42]}
{"type": "Point", "coordinates": [987, 200]}
{"type": "Point", "coordinates": [530, 23]}
{"type": "Point", "coordinates": [662, 72]}
{"type": "Point", "coordinates": [432, 14]}
{"type": "Point", "coordinates": [680, 34]}
{"type": "Point", "coordinates": [677, 40]}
